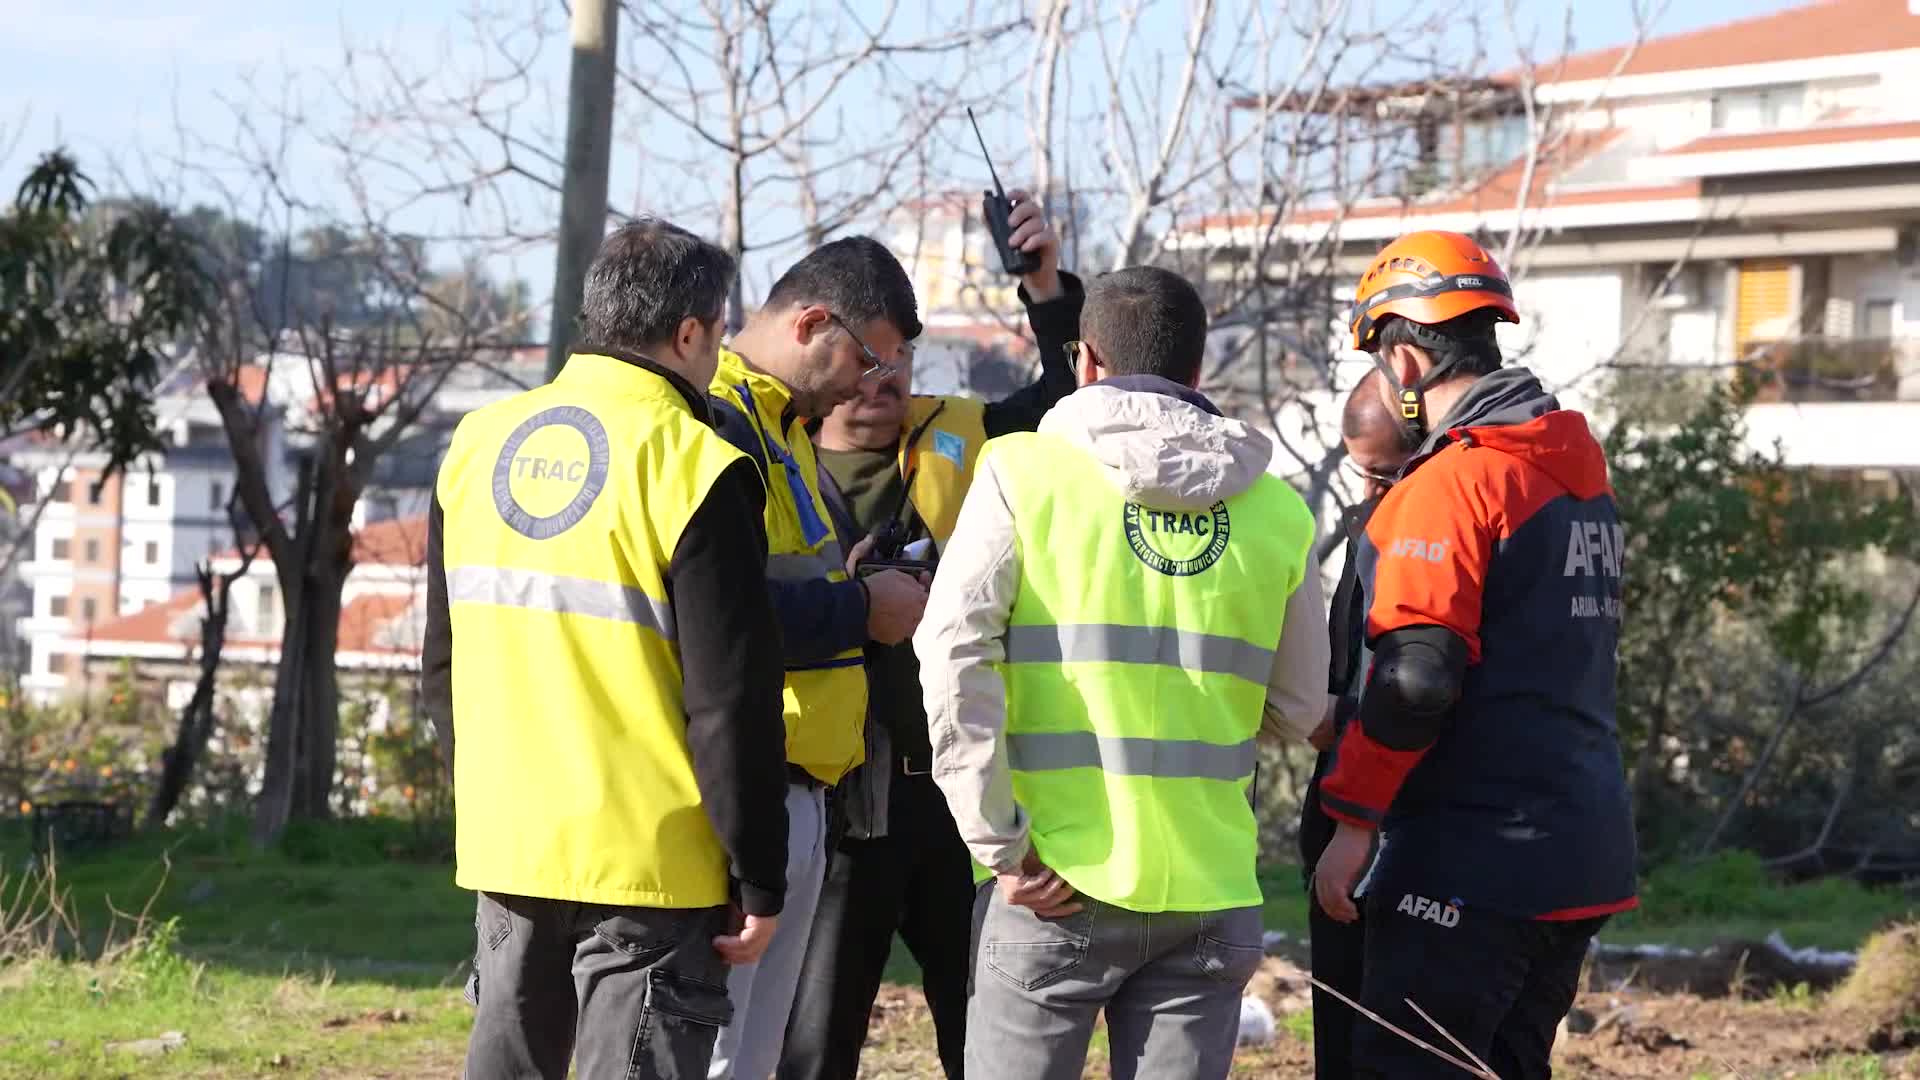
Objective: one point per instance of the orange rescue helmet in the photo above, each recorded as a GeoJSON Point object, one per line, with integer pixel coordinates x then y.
{"type": "Point", "coordinates": [1429, 277]}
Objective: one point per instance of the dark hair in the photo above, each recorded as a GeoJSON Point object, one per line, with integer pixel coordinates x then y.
{"type": "Point", "coordinates": [648, 276]}
{"type": "Point", "coordinates": [856, 278]}
{"type": "Point", "coordinates": [1468, 339]}
{"type": "Point", "coordinates": [1146, 321]}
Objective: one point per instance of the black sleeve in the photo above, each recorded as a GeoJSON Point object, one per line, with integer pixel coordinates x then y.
{"type": "Point", "coordinates": [436, 651]}
{"type": "Point", "coordinates": [819, 619]}
{"type": "Point", "coordinates": [731, 671]}
{"type": "Point", "coordinates": [1054, 322]}
{"type": "Point", "coordinates": [1346, 624]}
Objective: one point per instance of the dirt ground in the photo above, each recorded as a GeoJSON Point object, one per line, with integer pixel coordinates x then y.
{"type": "Point", "coordinates": [1633, 1033]}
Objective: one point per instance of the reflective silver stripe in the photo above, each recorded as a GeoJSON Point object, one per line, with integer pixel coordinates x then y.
{"type": "Point", "coordinates": [1080, 643]}
{"type": "Point", "coordinates": [1168, 759]}
{"type": "Point", "coordinates": [806, 565]}
{"type": "Point", "coordinates": [539, 591]}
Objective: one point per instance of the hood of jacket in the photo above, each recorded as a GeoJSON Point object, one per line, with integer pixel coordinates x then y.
{"type": "Point", "coordinates": [1161, 443]}
{"type": "Point", "coordinates": [1510, 411]}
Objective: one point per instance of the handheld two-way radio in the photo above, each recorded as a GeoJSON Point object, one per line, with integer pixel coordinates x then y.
{"type": "Point", "coordinates": [997, 208]}
{"type": "Point", "coordinates": [890, 547]}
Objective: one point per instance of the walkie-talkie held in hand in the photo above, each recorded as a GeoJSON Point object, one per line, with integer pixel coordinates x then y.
{"type": "Point", "coordinates": [997, 209]}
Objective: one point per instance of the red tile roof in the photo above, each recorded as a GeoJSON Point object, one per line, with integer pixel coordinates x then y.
{"type": "Point", "coordinates": [1826, 28]}
{"type": "Point", "coordinates": [153, 623]}
{"type": "Point", "coordinates": [1769, 140]}
{"type": "Point", "coordinates": [394, 542]}
{"type": "Point", "coordinates": [361, 621]}
{"type": "Point", "coordinates": [364, 617]}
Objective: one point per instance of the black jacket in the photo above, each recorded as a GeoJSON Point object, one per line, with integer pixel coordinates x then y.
{"type": "Point", "coordinates": [1347, 632]}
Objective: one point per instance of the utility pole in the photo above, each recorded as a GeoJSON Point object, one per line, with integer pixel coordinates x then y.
{"type": "Point", "coordinates": [583, 194]}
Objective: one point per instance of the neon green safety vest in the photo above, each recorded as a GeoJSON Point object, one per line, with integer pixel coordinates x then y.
{"type": "Point", "coordinates": [562, 509]}
{"type": "Point", "coordinates": [1138, 653]}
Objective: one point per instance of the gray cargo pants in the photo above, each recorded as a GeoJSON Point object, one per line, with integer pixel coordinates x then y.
{"type": "Point", "coordinates": [630, 992]}
{"type": "Point", "coordinates": [1170, 985]}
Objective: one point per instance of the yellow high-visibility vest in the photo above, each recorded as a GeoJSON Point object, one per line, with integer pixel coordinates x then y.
{"type": "Point", "coordinates": [562, 508]}
{"type": "Point", "coordinates": [1138, 652]}
{"type": "Point", "coordinates": [938, 449]}
{"type": "Point", "coordinates": [826, 701]}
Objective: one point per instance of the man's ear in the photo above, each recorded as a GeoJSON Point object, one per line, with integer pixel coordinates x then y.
{"type": "Point", "coordinates": [809, 321]}
{"type": "Point", "coordinates": [687, 337]}
{"type": "Point", "coordinates": [1092, 368]}
{"type": "Point", "coordinates": [1408, 362]}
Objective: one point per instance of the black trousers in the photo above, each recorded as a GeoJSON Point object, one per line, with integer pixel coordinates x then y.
{"type": "Point", "coordinates": [917, 880]}
{"type": "Point", "coordinates": [1338, 950]}
{"type": "Point", "coordinates": [1500, 985]}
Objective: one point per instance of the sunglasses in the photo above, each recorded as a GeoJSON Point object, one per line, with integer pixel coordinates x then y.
{"type": "Point", "coordinates": [879, 368]}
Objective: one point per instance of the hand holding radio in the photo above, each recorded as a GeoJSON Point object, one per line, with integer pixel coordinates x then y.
{"type": "Point", "coordinates": [998, 210]}
{"type": "Point", "coordinates": [1033, 235]}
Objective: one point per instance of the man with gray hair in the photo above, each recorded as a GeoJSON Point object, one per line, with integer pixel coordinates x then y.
{"type": "Point", "coordinates": [613, 693]}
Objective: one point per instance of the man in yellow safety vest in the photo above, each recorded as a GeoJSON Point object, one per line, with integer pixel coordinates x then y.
{"type": "Point", "coordinates": [614, 694]}
{"type": "Point", "coordinates": [843, 314]}
{"type": "Point", "coordinates": [1126, 603]}
{"type": "Point", "coordinates": [897, 465]}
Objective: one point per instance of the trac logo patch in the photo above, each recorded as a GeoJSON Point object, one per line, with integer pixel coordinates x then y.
{"type": "Point", "coordinates": [550, 471]}
{"type": "Point", "coordinates": [1177, 543]}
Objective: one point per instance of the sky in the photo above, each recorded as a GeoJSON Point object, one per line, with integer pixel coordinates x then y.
{"type": "Point", "coordinates": [116, 81]}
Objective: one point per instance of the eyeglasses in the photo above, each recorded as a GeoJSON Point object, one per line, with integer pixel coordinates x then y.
{"type": "Point", "coordinates": [880, 369]}
{"type": "Point", "coordinates": [1075, 350]}
{"type": "Point", "coordinates": [1384, 479]}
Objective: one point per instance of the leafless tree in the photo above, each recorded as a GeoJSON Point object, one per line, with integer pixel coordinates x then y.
{"type": "Point", "coordinates": [197, 716]}
{"type": "Point", "coordinates": [347, 366]}
{"type": "Point", "coordinates": [772, 102]}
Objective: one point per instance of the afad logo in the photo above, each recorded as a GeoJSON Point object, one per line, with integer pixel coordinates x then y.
{"type": "Point", "coordinates": [1177, 543]}
{"type": "Point", "coordinates": [1447, 915]}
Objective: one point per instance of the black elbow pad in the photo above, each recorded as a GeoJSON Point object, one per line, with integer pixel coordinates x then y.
{"type": "Point", "coordinates": [1415, 683]}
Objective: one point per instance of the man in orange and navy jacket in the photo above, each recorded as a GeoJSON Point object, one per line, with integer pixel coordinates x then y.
{"type": "Point", "coordinates": [1485, 752]}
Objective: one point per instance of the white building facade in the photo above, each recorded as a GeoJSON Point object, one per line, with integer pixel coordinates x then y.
{"type": "Point", "coordinates": [1746, 195]}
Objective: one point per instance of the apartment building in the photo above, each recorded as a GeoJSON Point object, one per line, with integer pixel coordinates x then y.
{"type": "Point", "coordinates": [382, 620]}
{"type": "Point", "coordinates": [118, 558]}
{"type": "Point", "coordinates": [1743, 195]}
{"type": "Point", "coordinates": [105, 549]}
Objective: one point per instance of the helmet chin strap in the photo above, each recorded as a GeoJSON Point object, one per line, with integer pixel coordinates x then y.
{"type": "Point", "coordinates": [1412, 400]}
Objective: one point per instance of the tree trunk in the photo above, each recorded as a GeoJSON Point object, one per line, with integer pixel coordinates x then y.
{"type": "Point", "coordinates": [275, 805]}
{"type": "Point", "coordinates": [320, 699]}
{"type": "Point", "coordinates": [583, 193]}
{"type": "Point", "coordinates": [196, 720]}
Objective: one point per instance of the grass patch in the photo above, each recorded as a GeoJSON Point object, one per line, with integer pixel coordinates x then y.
{"type": "Point", "coordinates": [341, 951]}
{"type": "Point", "coordinates": [342, 897]}
{"type": "Point", "coordinates": [1732, 896]}
{"type": "Point", "coordinates": [246, 962]}
{"type": "Point", "coordinates": [61, 1019]}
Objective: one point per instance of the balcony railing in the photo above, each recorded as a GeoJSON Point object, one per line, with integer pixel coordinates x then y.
{"type": "Point", "coordinates": [1819, 369]}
